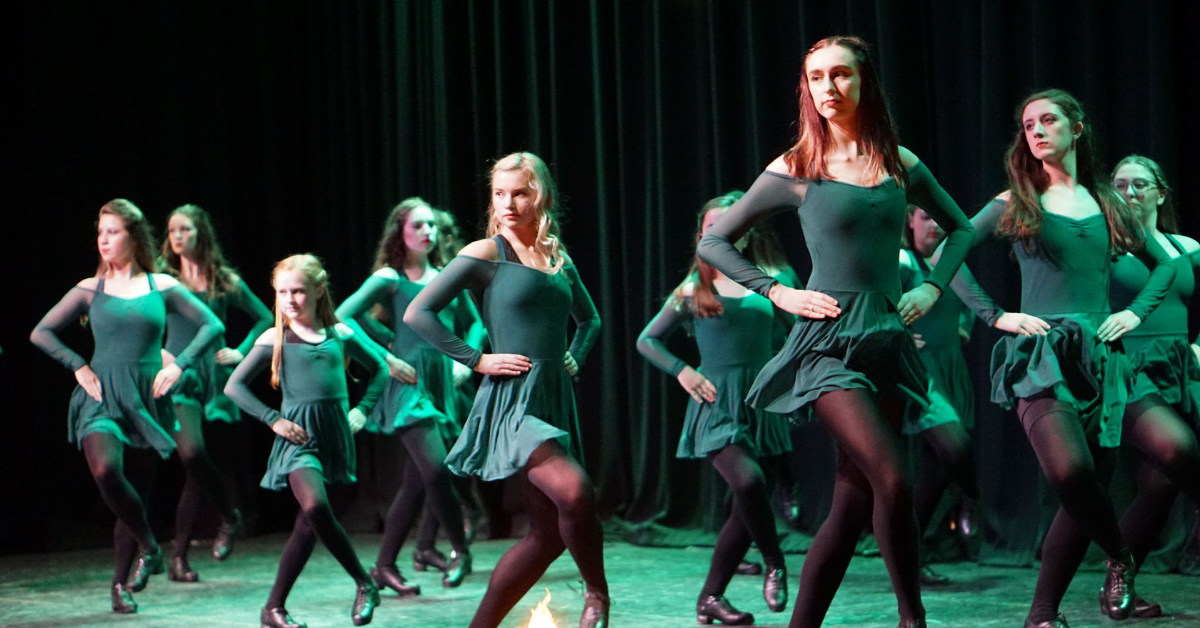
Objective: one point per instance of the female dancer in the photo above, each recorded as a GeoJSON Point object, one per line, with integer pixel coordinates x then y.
{"type": "Point", "coordinates": [951, 411]}
{"type": "Point", "coordinates": [121, 400]}
{"type": "Point", "coordinates": [733, 328]}
{"type": "Point", "coordinates": [853, 357]}
{"type": "Point", "coordinates": [524, 420]}
{"type": "Point", "coordinates": [420, 394]}
{"type": "Point", "coordinates": [1166, 387]}
{"type": "Point", "coordinates": [1069, 386]}
{"type": "Point", "coordinates": [192, 255]}
{"type": "Point", "coordinates": [313, 444]}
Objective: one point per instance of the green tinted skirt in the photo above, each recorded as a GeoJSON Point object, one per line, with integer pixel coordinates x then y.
{"type": "Point", "coordinates": [729, 420]}
{"type": "Point", "coordinates": [128, 409]}
{"type": "Point", "coordinates": [329, 449]}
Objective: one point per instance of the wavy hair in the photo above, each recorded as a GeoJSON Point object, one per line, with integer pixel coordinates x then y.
{"type": "Point", "coordinates": [316, 281]}
{"type": "Point", "coordinates": [392, 251]}
{"type": "Point", "coordinates": [217, 273]}
{"type": "Point", "coordinates": [545, 203]}
{"type": "Point", "coordinates": [1168, 220]}
{"type": "Point", "coordinates": [141, 237]}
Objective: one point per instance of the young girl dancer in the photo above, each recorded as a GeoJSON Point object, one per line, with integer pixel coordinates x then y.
{"type": "Point", "coordinates": [307, 353]}
{"type": "Point", "coordinates": [122, 398]}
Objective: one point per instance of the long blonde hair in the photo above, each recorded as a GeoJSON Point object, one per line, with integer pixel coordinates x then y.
{"type": "Point", "coordinates": [545, 203]}
{"type": "Point", "coordinates": [316, 280]}
{"type": "Point", "coordinates": [141, 239]}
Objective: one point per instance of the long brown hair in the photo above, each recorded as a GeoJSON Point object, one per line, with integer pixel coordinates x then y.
{"type": "Point", "coordinates": [217, 273]}
{"type": "Point", "coordinates": [141, 239]}
{"type": "Point", "coordinates": [392, 251]}
{"type": "Point", "coordinates": [1028, 180]}
{"type": "Point", "coordinates": [545, 203]}
{"type": "Point", "coordinates": [877, 135]}
{"type": "Point", "coordinates": [1168, 221]}
{"type": "Point", "coordinates": [316, 280]}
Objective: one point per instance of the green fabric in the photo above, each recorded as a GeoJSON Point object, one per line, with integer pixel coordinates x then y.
{"type": "Point", "coordinates": [1130, 275]}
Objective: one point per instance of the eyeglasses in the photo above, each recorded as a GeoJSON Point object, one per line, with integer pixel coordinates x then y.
{"type": "Point", "coordinates": [1138, 185]}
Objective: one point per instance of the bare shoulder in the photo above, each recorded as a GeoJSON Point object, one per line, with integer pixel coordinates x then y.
{"type": "Point", "coordinates": [908, 159]}
{"type": "Point", "coordinates": [481, 249]}
{"type": "Point", "coordinates": [387, 272]}
{"type": "Point", "coordinates": [267, 338]}
{"type": "Point", "coordinates": [343, 331]}
{"type": "Point", "coordinates": [1005, 196]}
{"type": "Point", "coordinates": [686, 289]}
{"type": "Point", "coordinates": [779, 166]}
{"type": "Point", "coordinates": [1189, 245]}
{"type": "Point", "coordinates": [91, 283]}
{"type": "Point", "coordinates": [164, 281]}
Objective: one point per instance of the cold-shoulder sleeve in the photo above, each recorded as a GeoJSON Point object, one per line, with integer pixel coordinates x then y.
{"type": "Point", "coordinates": [361, 352]}
{"type": "Point", "coordinates": [772, 193]}
{"type": "Point", "coordinates": [374, 290]}
{"type": "Point", "coordinates": [463, 273]}
{"type": "Point", "coordinates": [650, 342]}
{"type": "Point", "coordinates": [45, 335]}
{"type": "Point", "coordinates": [925, 192]}
{"type": "Point", "coordinates": [245, 300]}
{"type": "Point", "coordinates": [1162, 275]}
{"type": "Point", "coordinates": [238, 389]}
{"type": "Point", "coordinates": [209, 328]}
{"type": "Point", "coordinates": [964, 284]}
{"type": "Point", "coordinates": [587, 319]}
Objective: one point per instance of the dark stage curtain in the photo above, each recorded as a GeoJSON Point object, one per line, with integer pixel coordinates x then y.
{"type": "Point", "coordinates": [299, 124]}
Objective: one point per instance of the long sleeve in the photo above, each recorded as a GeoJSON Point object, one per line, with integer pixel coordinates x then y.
{"type": "Point", "coordinates": [925, 192]}
{"type": "Point", "coordinates": [462, 273]}
{"type": "Point", "coordinates": [238, 390]}
{"type": "Point", "coordinates": [784, 321]}
{"type": "Point", "coordinates": [45, 337]}
{"type": "Point", "coordinates": [380, 333]}
{"type": "Point", "coordinates": [772, 193]}
{"type": "Point", "coordinates": [587, 319]}
{"type": "Point", "coordinates": [360, 352]}
{"type": "Point", "coordinates": [245, 300]}
{"type": "Point", "coordinates": [650, 342]}
{"type": "Point", "coordinates": [374, 290]}
{"type": "Point", "coordinates": [964, 284]}
{"type": "Point", "coordinates": [209, 328]}
{"type": "Point", "coordinates": [466, 318]}
{"type": "Point", "coordinates": [1162, 275]}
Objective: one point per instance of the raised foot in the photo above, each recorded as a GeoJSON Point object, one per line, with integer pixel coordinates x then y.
{"type": "Point", "coordinates": [425, 558]}
{"type": "Point", "coordinates": [389, 576]}
{"type": "Point", "coordinates": [148, 564]}
{"type": "Point", "coordinates": [226, 533]}
{"type": "Point", "coordinates": [458, 569]}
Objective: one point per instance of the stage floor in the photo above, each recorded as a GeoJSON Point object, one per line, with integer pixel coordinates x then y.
{"type": "Point", "coordinates": [651, 587]}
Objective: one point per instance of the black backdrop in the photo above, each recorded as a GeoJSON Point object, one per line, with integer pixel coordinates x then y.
{"type": "Point", "coordinates": [298, 124]}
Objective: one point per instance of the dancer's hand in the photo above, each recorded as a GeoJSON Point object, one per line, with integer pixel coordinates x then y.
{"type": "Point", "coordinates": [167, 357]}
{"type": "Point", "coordinates": [461, 374]}
{"type": "Point", "coordinates": [1023, 324]}
{"type": "Point", "coordinates": [88, 380]}
{"type": "Point", "coordinates": [503, 364]}
{"type": "Point", "coordinates": [357, 420]}
{"type": "Point", "coordinates": [1117, 325]}
{"type": "Point", "coordinates": [401, 370]}
{"type": "Point", "coordinates": [166, 378]}
{"type": "Point", "coordinates": [290, 431]}
{"type": "Point", "coordinates": [229, 357]}
{"type": "Point", "coordinates": [570, 364]}
{"type": "Point", "coordinates": [917, 302]}
{"type": "Point", "coordinates": [697, 385]}
{"type": "Point", "coordinates": [806, 303]}
{"type": "Point", "coordinates": [919, 341]}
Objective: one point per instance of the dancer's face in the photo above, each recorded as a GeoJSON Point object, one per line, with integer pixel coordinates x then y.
{"type": "Point", "coordinates": [182, 233]}
{"type": "Point", "coordinates": [710, 218]}
{"type": "Point", "coordinates": [1136, 184]}
{"type": "Point", "coordinates": [512, 199]}
{"type": "Point", "coordinates": [113, 240]}
{"type": "Point", "coordinates": [420, 231]}
{"type": "Point", "coordinates": [927, 235]}
{"type": "Point", "coordinates": [295, 297]}
{"type": "Point", "coordinates": [1048, 132]}
{"type": "Point", "coordinates": [833, 82]}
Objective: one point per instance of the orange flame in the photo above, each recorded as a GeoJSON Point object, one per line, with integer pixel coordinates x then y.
{"type": "Point", "coordinates": [540, 616]}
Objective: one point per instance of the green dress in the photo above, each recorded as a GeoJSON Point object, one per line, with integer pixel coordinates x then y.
{"type": "Point", "coordinates": [951, 395]}
{"type": "Point", "coordinates": [127, 357]}
{"type": "Point", "coordinates": [313, 380]}
{"type": "Point", "coordinates": [433, 396]}
{"type": "Point", "coordinates": [1159, 352]}
{"type": "Point", "coordinates": [525, 312]}
{"type": "Point", "coordinates": [202, 385]}
{"type": "Point", "coordinates": [853, 236]}
{"type": "Point", "coordinates": [1065, 275]}
{"type": "Point", "coordinates": [734, 346]}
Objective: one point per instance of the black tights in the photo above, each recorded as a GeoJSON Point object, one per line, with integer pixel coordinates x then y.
{"type": "Point", "coordinates": [750, 519]}
{"type": "Point", "coordinates": [951, 448]}
{"type": "Point", "coordinates": [869, 488]}
{"type": "Point", "coordinates": [427, 534]}
{"type": "Point", "coordinates": [1078, 472]}
{"type": "Point", "coordinates": [425, 474]}
{"type": "Point", "coordinates": [203, 480]}
{"type": "Point", "coordinates": [561, 504]}
{"type": "Point", "coordinates": [316, 520]}
{"type": "Point", "coordinates": [124, 476]}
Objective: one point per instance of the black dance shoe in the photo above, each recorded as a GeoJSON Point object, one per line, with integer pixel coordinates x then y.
{"type": "Point", "coordinates": [716, 608]}
{"type": "Point", "coordinates": [775, 589]}
{"type": "Point", "coordinates": [278, 618]}
{"type": "Point", "coordinates": [425, 558]}
{"type": "Point", "coordinates": [459, 568]}
{"type": "Point", "coordinates": [749, 568]}
{"type": "Point", "coordinates": [147, 565]}
{"type": "Point", "coordinates": [1057, 622]}
{"type": "Point", "coordinates": [1143, 609]}
{"type": "Point", "coordinates": [226, 533]}
{"type": "Point", "coordinates": [122, 599]}
{"type": "Point", "coordinates": [912, 623]}
{"type": "Point", "coordinates": [365, 602]}
{"type": "Point", "coordinates": [178, 570]}
{"type": "Point", "coordinates": [1117, 597]}
{"type": "Point", "coordinates": [595, 611]}
{"type": "Point", "coordinates": [389, 576]}
{"type": "Point", "coordinates": [931, 578]}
